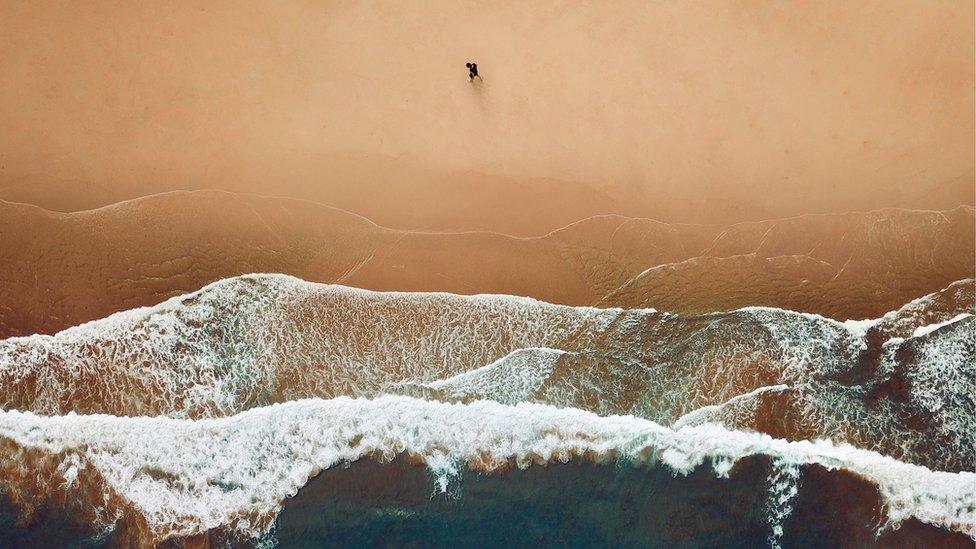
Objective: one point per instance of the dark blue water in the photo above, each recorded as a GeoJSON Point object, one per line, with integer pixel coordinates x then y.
{"type": "Point", "coordinates": [565, 505]}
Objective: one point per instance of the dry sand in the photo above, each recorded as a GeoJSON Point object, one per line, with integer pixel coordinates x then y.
{"type": "Point", "coordinates": [717, 112]}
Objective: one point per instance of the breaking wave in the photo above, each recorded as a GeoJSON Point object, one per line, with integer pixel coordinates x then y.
{"type": "Point", "coordinates": [262, 384]}
{"type": "Point", "coordinates": [230, 476]}
{"type": "Point", "coordinates": [887, 385]}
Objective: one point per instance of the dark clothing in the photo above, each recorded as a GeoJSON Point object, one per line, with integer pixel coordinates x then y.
{"type": "Point", "coordinates": [472, 70]}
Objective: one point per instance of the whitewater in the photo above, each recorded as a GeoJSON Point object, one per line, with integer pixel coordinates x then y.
{"type": "Point", "coordinates": [189, 477]}
{"type": "Point", "coordinates": [219, 414]}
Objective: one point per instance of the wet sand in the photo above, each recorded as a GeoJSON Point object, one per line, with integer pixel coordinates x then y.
{"type": "Point", "coordinates": [58, 270]}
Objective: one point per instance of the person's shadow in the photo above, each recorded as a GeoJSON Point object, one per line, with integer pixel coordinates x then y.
{"type": "Point", "coordinates": [478, 88]}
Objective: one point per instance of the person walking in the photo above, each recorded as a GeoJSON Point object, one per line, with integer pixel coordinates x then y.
{"type": "Point", "coordinates": [473, 71]}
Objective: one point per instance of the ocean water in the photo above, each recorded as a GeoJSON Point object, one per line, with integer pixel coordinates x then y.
{"type": "Point", "coordinates": [264, 410]}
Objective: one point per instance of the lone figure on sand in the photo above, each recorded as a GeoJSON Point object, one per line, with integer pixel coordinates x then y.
{"type": "Point", "coordinates": [473, 71]}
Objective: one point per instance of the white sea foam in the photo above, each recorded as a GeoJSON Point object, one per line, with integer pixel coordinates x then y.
{"type": "Point", "coordinates": [783, 488]}
{"type": "Point", "coordinates": [729, 411]}
{"type": "Point", "coordinates": [935, 308]}
{"type": "Point", "coordinates": [186, 477]}
{"type": "Point", "coordinates": [928, 329]}
{"type": "Point", "coordinates": [511, 379]}
{"type": "Point", "coordinates": [255, 340]}
{"type": "Point", "coordinates": [260, 338]}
